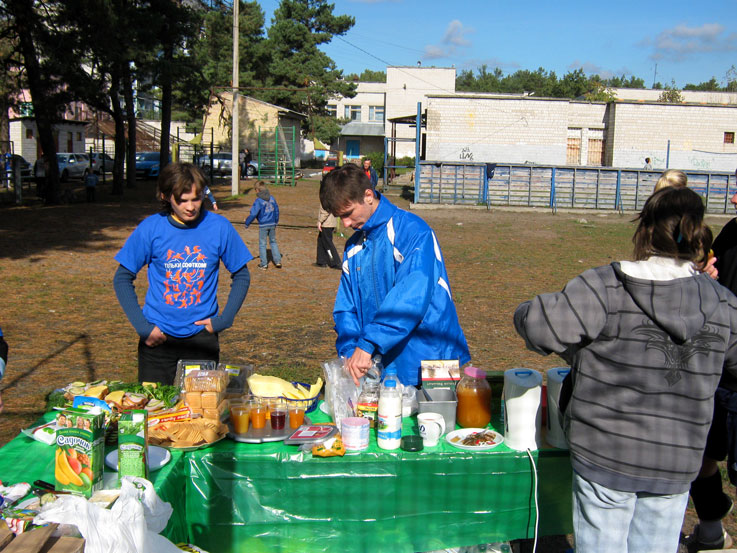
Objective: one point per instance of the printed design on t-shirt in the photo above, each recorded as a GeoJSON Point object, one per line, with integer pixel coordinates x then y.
{"type": "Point", "coordinates": [676, 355]}
{"type": "Point", "coordinates": [185, 277]}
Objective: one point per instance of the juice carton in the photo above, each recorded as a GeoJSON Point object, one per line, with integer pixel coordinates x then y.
{"type": "Point", "coordinates": [133, 444]}
{"type": "Point", "coordinates": [80, 449]}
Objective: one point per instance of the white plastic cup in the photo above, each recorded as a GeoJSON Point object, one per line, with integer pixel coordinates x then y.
{"type": "Point", "coordinates": [432, 426]}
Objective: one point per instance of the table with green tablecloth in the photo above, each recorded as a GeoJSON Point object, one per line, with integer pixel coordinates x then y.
{"type": "Point", "coordinates": [23, 459]}
{"type": "Point", "coordinates": [272, 497]}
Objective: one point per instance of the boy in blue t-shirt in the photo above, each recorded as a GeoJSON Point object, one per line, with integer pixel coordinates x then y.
{"type": "Point", "coordinates": [182, 247]}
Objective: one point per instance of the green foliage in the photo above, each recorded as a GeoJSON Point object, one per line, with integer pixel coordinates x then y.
{"type": "Point", "coordinates": [369, 76]}
{"type": "Point", "coordinates": [710, 85]}
{"type": "Point", "coordinates": [671, 94]}
{"type": "Point", "coordinates": [309, 77]}
{"type": "Point", "coordinates": [600, 94]}
{"type": "Point", "coordinates": [377, 161]}
{"type": "Point", "coordinates": [326, 128]}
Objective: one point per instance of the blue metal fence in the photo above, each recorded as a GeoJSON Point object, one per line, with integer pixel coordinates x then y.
{"type": "Point", "coordinates": [554, 187]}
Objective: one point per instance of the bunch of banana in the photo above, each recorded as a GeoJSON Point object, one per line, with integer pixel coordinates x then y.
{"type": "Point", "coordinates": [64, 472]}
{"type": "Point", "coordinates": [272, 386]}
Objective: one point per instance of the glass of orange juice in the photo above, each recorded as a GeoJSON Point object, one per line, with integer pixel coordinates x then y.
{"type": "Point", "coordinates": [257, 413]}
{"type": "Point", "coordinates": [296, 415]}
{"type": "Point", "coordinates": [239, 417]}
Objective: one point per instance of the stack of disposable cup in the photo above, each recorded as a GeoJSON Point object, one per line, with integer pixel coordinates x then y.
{"type": "Point", "coordinates": [522, 408]}
{"type": "Point", "coordinates": [555, 436]}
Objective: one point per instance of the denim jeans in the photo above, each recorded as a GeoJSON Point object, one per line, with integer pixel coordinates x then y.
{"type": "Point", "coordinates": [263, 234]}
{"type": "Point", "coordinates": [611, 521]}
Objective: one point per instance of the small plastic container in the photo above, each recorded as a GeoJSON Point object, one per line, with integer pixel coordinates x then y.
{"type": "Point", "coordinates": [474, 399]}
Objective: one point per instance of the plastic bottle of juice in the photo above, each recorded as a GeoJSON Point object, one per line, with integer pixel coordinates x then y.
{"type": "Point", "coordinates": [474, 399]}
{"type": "Point", "coordinates": [389, 424]}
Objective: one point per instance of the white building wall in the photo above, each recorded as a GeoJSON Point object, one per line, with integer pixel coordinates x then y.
{"type": "Point", "coordinates": [509, 130]}
{"type": "Point", "coordinates": [696, 135]}
{"type": "Point", "coordinates": [691, 96]}
{"type": "Point", "coordinates": [405, 87]}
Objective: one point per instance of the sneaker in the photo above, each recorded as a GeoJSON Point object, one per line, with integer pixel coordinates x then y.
{"type": "Point", "coordinates": [264, 267]}
{"type": "Point", "coordinates": [695, 544]}
{"type": "Point", "coordinates": [278, 265]}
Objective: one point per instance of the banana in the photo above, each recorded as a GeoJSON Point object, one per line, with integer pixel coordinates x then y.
{"type": "Point", "coordinates": [60, 475]}
{"type": "Point", "coordinates": [72, 476]}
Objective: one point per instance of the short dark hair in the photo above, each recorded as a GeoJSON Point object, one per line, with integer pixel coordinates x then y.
{"type": "Point", "coordinates": [342, 186]}
{"type": "Point", "coordinates": [671, 224]}
{"type": "Point", "coordinates": [178, 178]}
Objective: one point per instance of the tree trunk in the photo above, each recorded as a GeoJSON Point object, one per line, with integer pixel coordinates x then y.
{"type": "Point", "coordinates": [119, 118]}
{"type": "Point", "coordinates": [44, 113]}
{"type": "Point", "coordinates": [166, 100]}
{"type": "Point", "coordinates": [130, 115]}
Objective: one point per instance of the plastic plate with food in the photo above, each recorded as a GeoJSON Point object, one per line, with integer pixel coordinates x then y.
{"type": "Point", "coordinates": [157, 458]}
{"type": "Point", "coordinates": [474, 439]}
{"type": "Point", "coordinates": [195, 447]}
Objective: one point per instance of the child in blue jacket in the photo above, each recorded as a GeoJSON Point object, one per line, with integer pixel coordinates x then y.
{"type": "Point", "coordinates": [266, 211]}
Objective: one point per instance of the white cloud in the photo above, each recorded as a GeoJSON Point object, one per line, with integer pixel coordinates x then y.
{"type": "Point", "coordinates": [682, 41]}
{"type": "Point", "coordinates": [454, 37]}
{"type": "Point", "coordinates": [455, 34]}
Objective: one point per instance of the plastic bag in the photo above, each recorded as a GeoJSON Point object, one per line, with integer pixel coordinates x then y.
{"type": "Point", "coordinates": [341, 393]}
{"type": "Point", "coordinates": [131, 525]}
{"type": "Point", "coordinates": [410, 405]}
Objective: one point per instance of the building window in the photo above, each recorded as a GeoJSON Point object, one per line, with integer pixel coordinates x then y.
{"type": "Point", "coordinates": [729, 138]}
{"type": "Point", "coordinates": [332, 110]}
{"type": "Point", "coordinates": [29, 134]}
{"type": "Point", "coordinates": [353, 113]}
{"type": "Point", "coordinates": [79, 136]}
{"type": "Point", "coordinates": [376, 113]}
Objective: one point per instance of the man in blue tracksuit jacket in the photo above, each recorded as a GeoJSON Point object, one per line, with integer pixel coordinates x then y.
{"type": "Point", "coordinates": [394, 297]}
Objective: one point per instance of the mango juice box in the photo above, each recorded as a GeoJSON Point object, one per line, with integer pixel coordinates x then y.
{"type": "Point", "coordinates": [133, 444]}
{"type": "Point", "coordinates": [80, 450]}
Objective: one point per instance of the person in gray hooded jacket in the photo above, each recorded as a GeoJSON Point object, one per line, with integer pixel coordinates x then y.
{"type": "Point", "coordinates": [646, 341]}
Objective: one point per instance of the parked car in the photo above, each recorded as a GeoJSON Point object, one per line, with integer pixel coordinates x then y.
{"type": "Point", "coordinates": [148, 165]}
{"type": "Point", "coordinates": [25, 167]}
{"type": "Point", "coordinates": [330, 164]}
{"type": "Point", "coordinates": [73, 166]}
{"type": "Point", "coordinates": [99, 160]}
{"type": "Point", "coordinates": [222, 164]}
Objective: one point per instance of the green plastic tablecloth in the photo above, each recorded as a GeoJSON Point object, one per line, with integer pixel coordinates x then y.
{"type": "Point", "coordinates": [271, 497]}
{"type": "Point", "coordinates": [24, 459]}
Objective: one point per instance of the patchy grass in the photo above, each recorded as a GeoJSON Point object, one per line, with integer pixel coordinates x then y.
{"type": "Point", "coordinates": [63, 322]}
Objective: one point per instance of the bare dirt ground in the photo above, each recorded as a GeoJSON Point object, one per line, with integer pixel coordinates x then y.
{"type": "Point", "coordinates": [63, 322]}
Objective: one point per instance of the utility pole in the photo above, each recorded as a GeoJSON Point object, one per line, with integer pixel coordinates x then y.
{"type": "Point", "coordinates": [655, 75]}
{"type": "Point", "coordinates": [235, 166]}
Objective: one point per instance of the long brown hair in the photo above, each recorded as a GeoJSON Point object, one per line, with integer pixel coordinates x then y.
{"type": "Point", "coordinates": [671, 224]}
{"type": "Point", "coordinates": [177, 179]}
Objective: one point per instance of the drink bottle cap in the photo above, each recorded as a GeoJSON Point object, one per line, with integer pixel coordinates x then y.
{"type": "Point", "coordinates": [475, 372]}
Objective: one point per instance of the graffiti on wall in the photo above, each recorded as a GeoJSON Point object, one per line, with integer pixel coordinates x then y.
{"type": "Point", "coordinates": [466, 154]}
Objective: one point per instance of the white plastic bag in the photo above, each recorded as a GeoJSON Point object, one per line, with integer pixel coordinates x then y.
{"type": "Point", "coordinates": [130, 526]}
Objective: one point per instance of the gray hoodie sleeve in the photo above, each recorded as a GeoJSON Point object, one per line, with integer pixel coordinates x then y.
{"type": "Point", "coordinates": [564, 321]}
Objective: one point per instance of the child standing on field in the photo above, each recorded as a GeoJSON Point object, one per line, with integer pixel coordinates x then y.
{"type": "Point", "coordinates": [266, 211]}
{"type": "Point", "coordinates": [646, 341]}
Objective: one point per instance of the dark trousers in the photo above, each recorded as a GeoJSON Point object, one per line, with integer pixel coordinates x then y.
{"type": "Point", "coordinates": [326, 252]}
{"type": "Point", "coordinates": [90, 193]}
{"type": "Point", "coordinates": [159, 364]}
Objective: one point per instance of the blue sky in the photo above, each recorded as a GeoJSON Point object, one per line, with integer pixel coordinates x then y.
{"type": "Point", "coordinates": [689, 41]}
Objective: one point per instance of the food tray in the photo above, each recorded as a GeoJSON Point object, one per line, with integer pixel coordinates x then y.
{"type": "Point", "coordinates": [265, 434]}
{"type": "Point", "coordinates": [171, 447]}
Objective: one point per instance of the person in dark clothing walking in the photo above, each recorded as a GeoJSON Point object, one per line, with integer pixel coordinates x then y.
{"type": "Point", "coordinates": [327, 254]}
